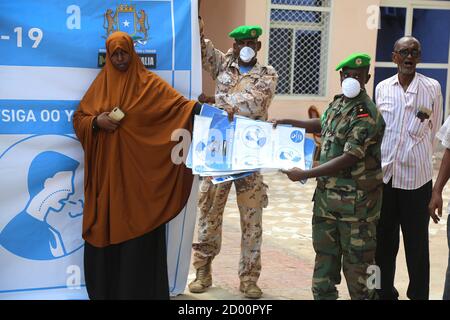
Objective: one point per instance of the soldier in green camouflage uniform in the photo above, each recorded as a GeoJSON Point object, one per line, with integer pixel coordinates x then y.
{"type": "Point", "coordinates": [247, 89]}
{"type": "Point", "coordinates": [347, 200]}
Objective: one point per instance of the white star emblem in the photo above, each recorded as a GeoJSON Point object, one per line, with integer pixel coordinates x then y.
{"type": "Point", "coordinates": [126, 23]}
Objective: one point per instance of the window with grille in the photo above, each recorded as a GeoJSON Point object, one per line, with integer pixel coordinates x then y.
{"type": "Point", "coordinates": [298, 45]}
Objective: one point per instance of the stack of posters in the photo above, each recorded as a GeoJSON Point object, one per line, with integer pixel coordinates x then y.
{"type": "Point", "coordinates": [227, 150]}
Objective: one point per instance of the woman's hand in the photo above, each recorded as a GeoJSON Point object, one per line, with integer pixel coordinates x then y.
{"type": "Point", "coordinates": [106, 123]}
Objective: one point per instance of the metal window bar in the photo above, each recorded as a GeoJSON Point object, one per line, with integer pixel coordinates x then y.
{"type": "Point", "coordinates": [304, 3]}
{"type": "Point", "coordinates": [298, 46]}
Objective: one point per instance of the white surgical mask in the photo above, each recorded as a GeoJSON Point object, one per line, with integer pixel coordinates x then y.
{"type": "Point", "coordinates": [247, 54]}
{"type": "Point", "coordinates": [351, 87]}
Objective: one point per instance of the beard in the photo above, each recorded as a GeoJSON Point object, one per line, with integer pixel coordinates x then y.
{"type": "Point", "coordinates": [406, 70]}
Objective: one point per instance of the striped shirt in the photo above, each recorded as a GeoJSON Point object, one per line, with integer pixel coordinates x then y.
{"type": "Point", "coordinates": [444, 134]}
{"type": "Point", "coordinates": [407, 144]}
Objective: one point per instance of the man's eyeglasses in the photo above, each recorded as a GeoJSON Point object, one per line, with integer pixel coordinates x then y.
{"type": "Point", "coordinates": [405, 52]}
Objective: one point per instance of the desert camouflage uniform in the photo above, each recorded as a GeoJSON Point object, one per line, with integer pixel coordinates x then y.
{"type": "Point", "coordinates": [251, 198]}
{"type": "Point", "coordinates": [251, 93]}
{"type": "Point", "coordinates": [347, 205]}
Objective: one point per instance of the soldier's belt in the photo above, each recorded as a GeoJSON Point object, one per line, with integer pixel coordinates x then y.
{"type": "Point", "coordinates": [347, 185]}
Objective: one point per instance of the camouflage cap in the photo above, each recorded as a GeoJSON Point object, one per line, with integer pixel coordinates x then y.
{"type": "Point", "coordinates": [246, 32]}
{"type": "Point", "coordinates": [354, 61]}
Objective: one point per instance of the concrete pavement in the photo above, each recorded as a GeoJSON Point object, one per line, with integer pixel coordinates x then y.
{"type": "Point", "coordinates": [287, 253]}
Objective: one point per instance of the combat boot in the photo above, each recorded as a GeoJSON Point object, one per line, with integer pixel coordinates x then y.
{"type": "Point", "coordinates": [250, 290]}
{"type": "Point", "coordinates": [203, 279]}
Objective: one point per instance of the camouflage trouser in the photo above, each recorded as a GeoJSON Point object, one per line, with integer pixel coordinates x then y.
{"type": "Point", "coordinates": [354, 244]}
{"type": "Point", "coordinates": [251, 199]}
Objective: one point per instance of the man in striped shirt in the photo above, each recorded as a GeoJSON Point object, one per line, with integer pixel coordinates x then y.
{"type": "Point", "coordinates": [436, 197]}
{"type": "Point", "coordinates": [411, 105]}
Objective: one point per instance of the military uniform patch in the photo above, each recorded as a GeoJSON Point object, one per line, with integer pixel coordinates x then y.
{"type": "Point", "coordinates": [361, 111]}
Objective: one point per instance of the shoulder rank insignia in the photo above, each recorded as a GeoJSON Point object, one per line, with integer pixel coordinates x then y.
{"type": "Point", "coordinates": [361, 111]}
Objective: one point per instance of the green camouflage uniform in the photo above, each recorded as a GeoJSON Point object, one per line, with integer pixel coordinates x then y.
{"type": "Point", "coordinates": [347, 205]}
{"type": "Point", "coordinates": [252, 94]}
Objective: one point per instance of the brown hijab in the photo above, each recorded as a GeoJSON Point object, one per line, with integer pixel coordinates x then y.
{"type": "Point", "coordinates": [131, 184]}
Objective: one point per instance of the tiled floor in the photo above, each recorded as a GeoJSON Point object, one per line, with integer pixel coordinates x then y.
{"type": "Point", "coordinates": [287, 253]}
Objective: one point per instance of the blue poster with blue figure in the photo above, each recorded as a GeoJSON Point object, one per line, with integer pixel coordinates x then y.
{"type": "Point", "coordinates": [289, 149]}
{"type": "Point", "coordinates": [51, 52]}
{"type": "Point", "coordinates": [219, 144]}
{"type": "Point", "coordinates": [29, 234]}
{"type": "Point", "coordinates": [41, 206]}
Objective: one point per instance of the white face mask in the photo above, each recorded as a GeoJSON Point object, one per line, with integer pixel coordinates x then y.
{"type": "Point", "coordinates": [351, 87]}
{"type": "Point", "coordinates": [247, 54]}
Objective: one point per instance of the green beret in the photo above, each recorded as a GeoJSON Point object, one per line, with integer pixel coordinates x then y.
{"type": "Point", "coordinates": [354, 61]}
{"type": "Point", "coordinates": [246, 32]}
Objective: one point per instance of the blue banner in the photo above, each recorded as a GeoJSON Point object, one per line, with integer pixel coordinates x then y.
{"type": "Point", "coordinates": [36, 117]}
{"type": "Point", "coordinates": [64, 33]}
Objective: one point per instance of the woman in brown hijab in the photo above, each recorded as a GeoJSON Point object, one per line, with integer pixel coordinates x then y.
{"type": "Point", "coordinates": [132, 187]}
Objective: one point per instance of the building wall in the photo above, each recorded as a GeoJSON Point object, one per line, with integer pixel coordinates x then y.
{"type": "Point", "coordinates": [349, 32]}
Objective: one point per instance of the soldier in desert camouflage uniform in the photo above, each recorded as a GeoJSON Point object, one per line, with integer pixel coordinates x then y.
{"type": "Point", "coordinates": [347, 200]}
{"type": "Point", "coordinates": [245, 88]}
